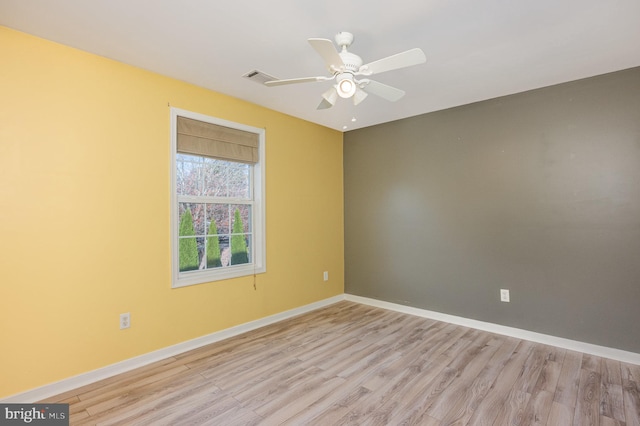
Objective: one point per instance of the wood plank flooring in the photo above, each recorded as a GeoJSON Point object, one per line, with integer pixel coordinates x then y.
{"type": "Point", "coordinates": [351, 364]}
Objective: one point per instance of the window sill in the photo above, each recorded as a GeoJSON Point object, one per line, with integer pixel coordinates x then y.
{"type": "Point", "coordinates": [185, 279]}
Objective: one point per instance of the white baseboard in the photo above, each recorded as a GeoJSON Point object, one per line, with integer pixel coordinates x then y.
{"type": "Point", "coordinates": [83, 379]}
{"type": "Point", "coordinates": [560, 342]}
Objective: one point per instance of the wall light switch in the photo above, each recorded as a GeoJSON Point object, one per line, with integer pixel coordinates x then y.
{"type": "Point", "coordinates": [504, 295]}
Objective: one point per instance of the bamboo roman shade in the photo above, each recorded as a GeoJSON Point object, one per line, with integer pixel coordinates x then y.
{"type": "Point", "coordinates": [212, 140]}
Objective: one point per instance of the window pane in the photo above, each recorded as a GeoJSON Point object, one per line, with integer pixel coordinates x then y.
{"type": "Point", "coordinates": [189, 174]}
{"type": "Point", "coordinates": [219, 215]}
{"type": "Point", "coordinates": [240, 249]}
{"type": "Point", "coordinates": [201, 253]}
{"type": "Point", "coordinates": [244, 224]}
{"type": "Point", "coordinates": [249, 240]}
{"type": "Point", "coordinates": [225, 250]}
{"type": "Point", "coordinates": [190, 251]}
{"type": "Point", "coordinates": [239, 175]}
{"type": "Point", "coordinates": [194, 213]}
{"type": "Point", "coordinates": [215, 177]}
{"type": "Point", "coordinates": [214, 252]}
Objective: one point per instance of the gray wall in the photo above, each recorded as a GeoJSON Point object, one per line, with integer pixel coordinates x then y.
{"type": "Point", "coordinates": [537, 192]}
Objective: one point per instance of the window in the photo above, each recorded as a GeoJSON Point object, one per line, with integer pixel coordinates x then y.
{"type": "Point", "coordinates": [217, 180]}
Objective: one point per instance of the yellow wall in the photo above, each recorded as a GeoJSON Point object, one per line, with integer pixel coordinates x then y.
{"type": "Point", "coordinates": [84, 214]}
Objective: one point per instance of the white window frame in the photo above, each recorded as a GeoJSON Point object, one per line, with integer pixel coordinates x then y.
{"type": "Point", "coordinates": [258, 264]}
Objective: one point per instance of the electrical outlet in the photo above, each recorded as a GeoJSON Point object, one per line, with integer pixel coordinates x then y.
{"type": "Point", "coordinates": [504, 295]}
{"type": "Point", "coordinates": [125, 320]}
{"type": "Point", "coordinates": [325, 275]}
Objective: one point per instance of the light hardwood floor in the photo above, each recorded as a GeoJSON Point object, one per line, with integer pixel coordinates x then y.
{"type": "Point", "coordinates": [358, 365]}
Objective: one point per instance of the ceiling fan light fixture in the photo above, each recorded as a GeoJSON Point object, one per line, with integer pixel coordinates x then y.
{"type": "Point", "coordinates": [346, 87]}
{"type": "Point", "coordinates": [359, 96]}
{"type": "Point", "coordinates": [330, 96]}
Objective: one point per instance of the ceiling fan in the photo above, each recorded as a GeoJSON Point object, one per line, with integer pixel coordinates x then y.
{"type": "Point", "coordinates": [346, 68]}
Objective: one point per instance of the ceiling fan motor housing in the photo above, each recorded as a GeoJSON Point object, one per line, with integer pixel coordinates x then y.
{"type": "Point", "coordinates": [352, 62]}
{"type": "Point", "coordinates": [344, 39]}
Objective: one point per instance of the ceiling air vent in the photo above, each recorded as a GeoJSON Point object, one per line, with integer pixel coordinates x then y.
{"type": "Point", "coordinates": [259, 76]}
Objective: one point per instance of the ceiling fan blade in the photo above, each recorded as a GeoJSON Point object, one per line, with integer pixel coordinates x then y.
{"type": "Point", "coordinates": [296, 80]}
{"type": "Point", "coordinates": [329, 54]}
{"type": "Point", "coordinates": [400, 60]}
{"type": "Point", "coordinates": [385, 92]}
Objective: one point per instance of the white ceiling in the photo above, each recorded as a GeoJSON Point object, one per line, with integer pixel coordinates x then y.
{"type": "Point", "coordinates": [476, 49]}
